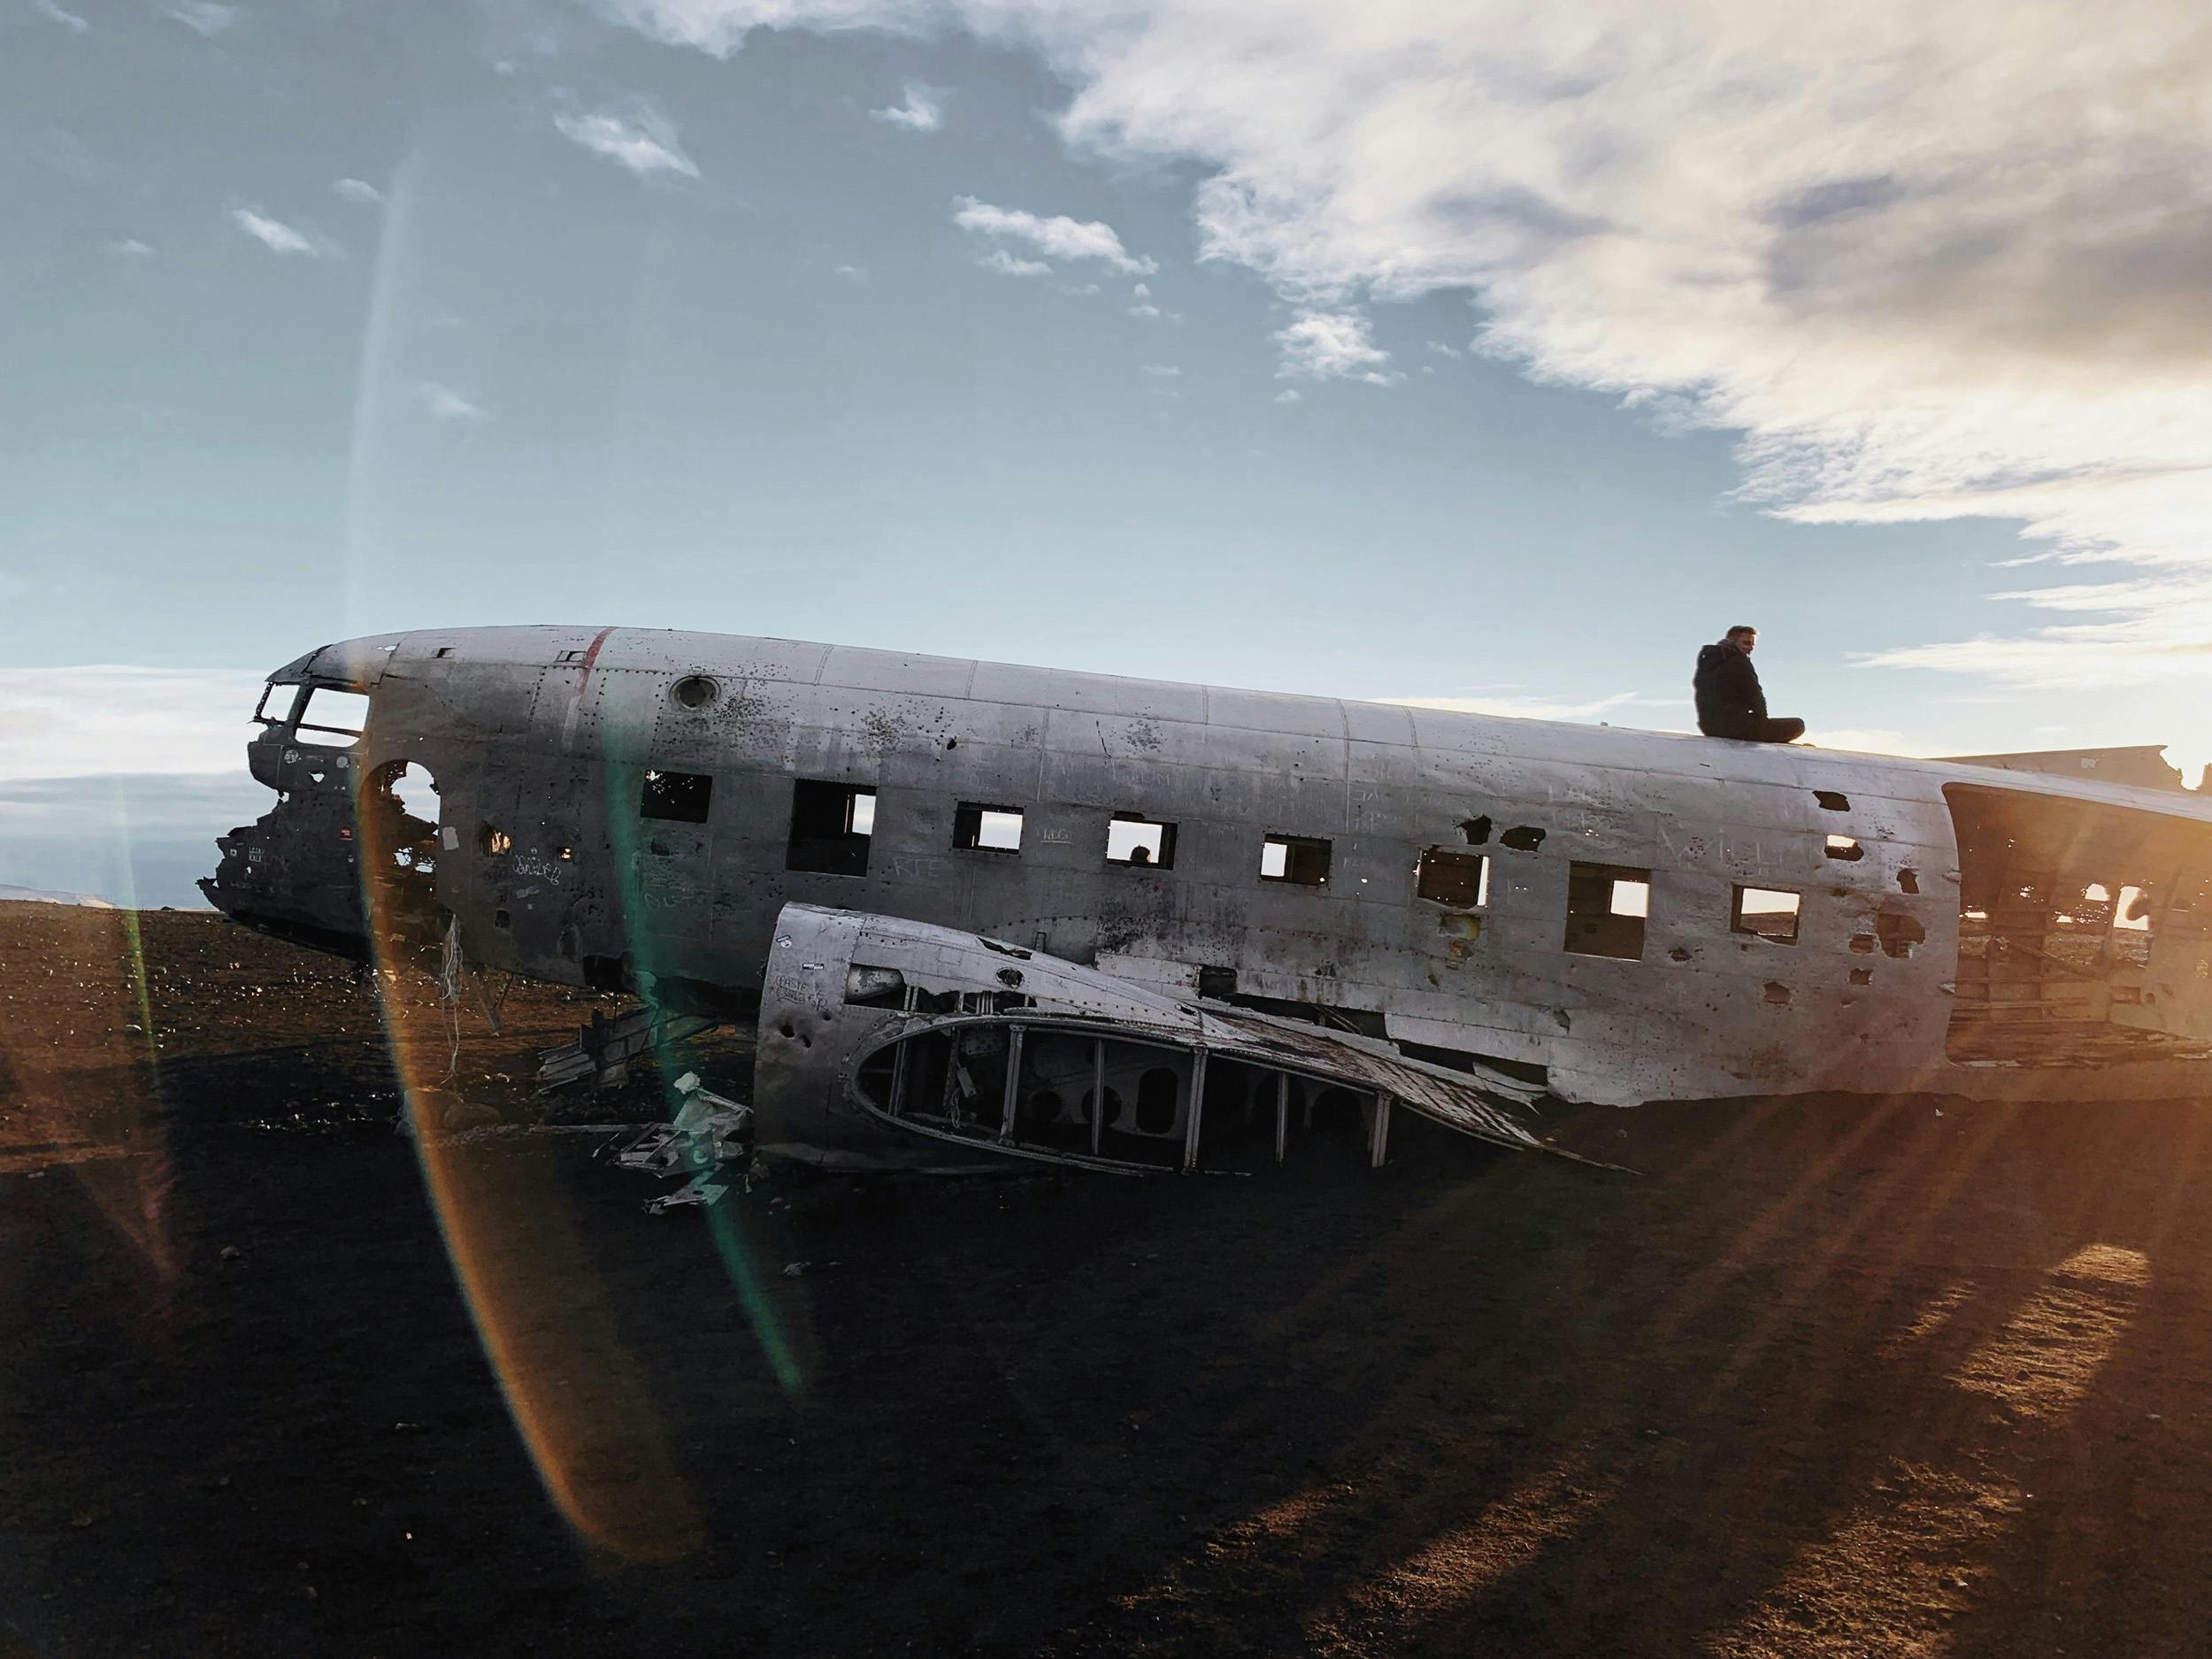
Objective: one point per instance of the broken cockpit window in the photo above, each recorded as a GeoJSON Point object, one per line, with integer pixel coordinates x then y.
{"type": "Point", "coordinates": [987, 829]}
{"type": "Point", "coordinates": [332, 718]}
{"type": "Point", "coordinates": [275, 707]}
{"type": "Point", "coordinates": [1459, 879]}
{"type": "Point", "coordinates": [681, 797]}
{"type": "Point", "coordinates": [1140, 842]}
{"type": "Point", "coordinates": [1302, 860]}
{"type": "Point", "coordinates": [832, 827]}
{"type": "Point", "coordinates": [1606, 906]}
{"type": "Point", "coordinates": [1767, 913]}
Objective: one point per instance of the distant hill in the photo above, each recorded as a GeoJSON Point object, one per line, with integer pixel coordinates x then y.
{"type": "Point", "coordinates": [39, 896]}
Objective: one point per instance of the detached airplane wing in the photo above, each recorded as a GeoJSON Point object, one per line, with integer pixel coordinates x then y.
{"type": "Point", "coordinates": [876, 1032]}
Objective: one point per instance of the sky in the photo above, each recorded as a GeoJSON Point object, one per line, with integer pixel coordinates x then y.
{"type": "Point", "coordinates": [1492, 354]}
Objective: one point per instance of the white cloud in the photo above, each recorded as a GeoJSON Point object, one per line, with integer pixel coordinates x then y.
{"type": "Point", "coordinates": [1332, 345]}
{"type": "Point", "coordinates": [69, 20]}
{"type": "Point", "coordinates": [1058, 237]}
{"type": "Point", "coordinates": [1290, 395]}
{"type": "Point", "coordinates": [1147, 311]}
{"type": "Point", "coordinates": [1869, 741]}
{"type": "Point", "coordinates": [1162, 371]}
{"type": "Point", "coordinates": [1443, 350]}
{"type": "Point", "coordinates": [448, 404]}
{"type": "Point", "coordinates": [1543, 708]}
{"type": "Point", "coordinates": [644, 142]}
{"type": "Point", "coordinates": [202, 17]}
{"type": "Point", "coordinates": [279, 237]}
{"type": "Point", "coordinates": [359, 190]}
{"type": "Point", "coordinates": [1004, 263]}
{"type": "Point", "coordinates": [1931, 261]}
{"type": "Point", "coordinates": [84, 722]}
{"type": "Point", "coordinates": [853, 272]}
{"type": "Point", "coordinates": [131, 247]}
{"type": "Point", "coordinates": [1143, 291]}
{"type": "Point", "coordinates": [924, 111]}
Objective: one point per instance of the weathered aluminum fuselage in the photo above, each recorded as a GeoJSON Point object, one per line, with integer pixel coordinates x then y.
{"type": "Point", "coordinates": [545, 743]}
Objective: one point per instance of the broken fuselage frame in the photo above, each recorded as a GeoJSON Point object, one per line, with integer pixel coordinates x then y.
{"type": "Point", "coordinates": [1615, 916]}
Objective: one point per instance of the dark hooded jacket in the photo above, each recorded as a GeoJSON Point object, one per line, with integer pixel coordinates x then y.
{"type": "Point", "coordinates": [1729, 701]}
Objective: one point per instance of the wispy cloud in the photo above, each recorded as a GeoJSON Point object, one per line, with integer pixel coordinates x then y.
{"type": "Point", "coordinates": [448, 404]}
{"type": "Point", "coordinates": [1006, 264]}
{"type": "Point", "coordinates": [131, 247]}
{"type": "Point", "coordinates": [1290, 395]}
{"type": "Point", "coordinates": [1147, 310]}
{"type": "Point", "coordinates": [1162, 371]}
{"type": "Point", "coordinates": [84, 722]}
{"type": "Point", "coordinates": [69, 20]}
{"type": "Point", "coordinates": [852, 273]}
{"type": "Point", "coordinates": [203, 18]}
{"type": "Point", "coordinates": [1891, 245]}
{"type": "Point", "coordinates": [644, 141]}
{"type": "Point", "coordinates": [1542, 708]}
{"type": "Point", "coordinates": [1332, 345]}
{"type": "Point", "coordinates": [1058, 237]}
{"type": "Point", "coordinates": [279, 237]}
{"type": "Point", "coordinates": [924, 111]}
{"type": "Point", "coordinates": [1443, 350]}
{"type": "Point", "coordinates": [1872, 740]}
{"type": "Point", "coordinates": [359, 190]}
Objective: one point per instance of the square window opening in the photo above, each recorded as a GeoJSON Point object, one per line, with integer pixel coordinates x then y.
{"type": "Point", "coordinates": [332, 718]}
{"type": "Point", "coordinates": [1768, 913]}
{"type": "Point", "coordinates": [987, 829]}
{"type": "Point", "coordinates": [832, 827]}
{"type": "Point", "coordinates": [1140, 842]}
{"type": "Point", "coordinates": [1301, 860]}
{"type": "Point", "coordinates": [681, 797]}
{"type": "Point", "coordinates": [1606, 907]}
{"type": "Point", "coordinates": [1459, 879]}
{"type": "Point", "coordinates": [275, 706]}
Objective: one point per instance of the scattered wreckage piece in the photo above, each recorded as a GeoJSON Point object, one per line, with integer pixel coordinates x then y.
{"type": "Point", "coordinates": [889, 1043]}
{"type": "Point", "coordinates": [707, 1136]}
{"type": "Point", "coordinates": [604, 1051]}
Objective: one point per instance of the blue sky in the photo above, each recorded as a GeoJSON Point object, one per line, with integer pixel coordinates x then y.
{"type": "Point", "coordinates": [1415, 357]}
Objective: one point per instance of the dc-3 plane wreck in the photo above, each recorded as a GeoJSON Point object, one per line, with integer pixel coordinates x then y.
{"type": "Point", "coordinates": [980, 912]}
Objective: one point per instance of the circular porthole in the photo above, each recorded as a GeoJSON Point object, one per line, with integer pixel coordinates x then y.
{"type": "Point", "coordinates": [693, 691]}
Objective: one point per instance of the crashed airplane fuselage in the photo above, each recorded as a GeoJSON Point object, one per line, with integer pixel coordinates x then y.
{"type": "Point", "coordinates": [1067, 914]}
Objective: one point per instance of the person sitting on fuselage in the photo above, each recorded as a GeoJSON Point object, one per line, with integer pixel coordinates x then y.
{"type": "Point", "coordinates": [1730, 703]}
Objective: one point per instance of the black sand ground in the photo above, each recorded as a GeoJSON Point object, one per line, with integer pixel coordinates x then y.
{"type": "Point", "coordinates": [1831, 1376]}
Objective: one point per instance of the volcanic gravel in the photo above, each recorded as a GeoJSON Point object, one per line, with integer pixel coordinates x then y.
{"type": "Point", "coordinates": [1823, 1377]}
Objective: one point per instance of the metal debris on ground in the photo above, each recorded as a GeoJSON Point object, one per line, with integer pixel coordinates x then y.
{"type": "Point", "coordinates": [709, 1135]}
{"type": "Point", "coordinates": [604, 1049]}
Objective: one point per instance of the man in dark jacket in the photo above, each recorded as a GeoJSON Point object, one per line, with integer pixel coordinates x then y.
{"type": "Point", "coordinates": [1730, 703]}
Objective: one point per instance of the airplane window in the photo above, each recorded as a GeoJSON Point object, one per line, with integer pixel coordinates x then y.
{"type": "Point", "coordinates": [1766, 912]}
{"type": "Point", "coordinates": [1140, 842]}
{"type": "Point", "coordinates": [987, 829]}
{"type": "Point", "coordinates": [1459, 879]}
{"type": "Point", "coordinates": [333, 717]}
{"type": "Point", "coordinates": [276, 702]}
{"type": "Point", "coordinates": [1302, 860]}
{"type": "Point", "coordinates": [679, 796]}
{"type": "Point", "coordinates": [1606, 906]}
{"type": "Point", "coordinates": [833, 825]}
